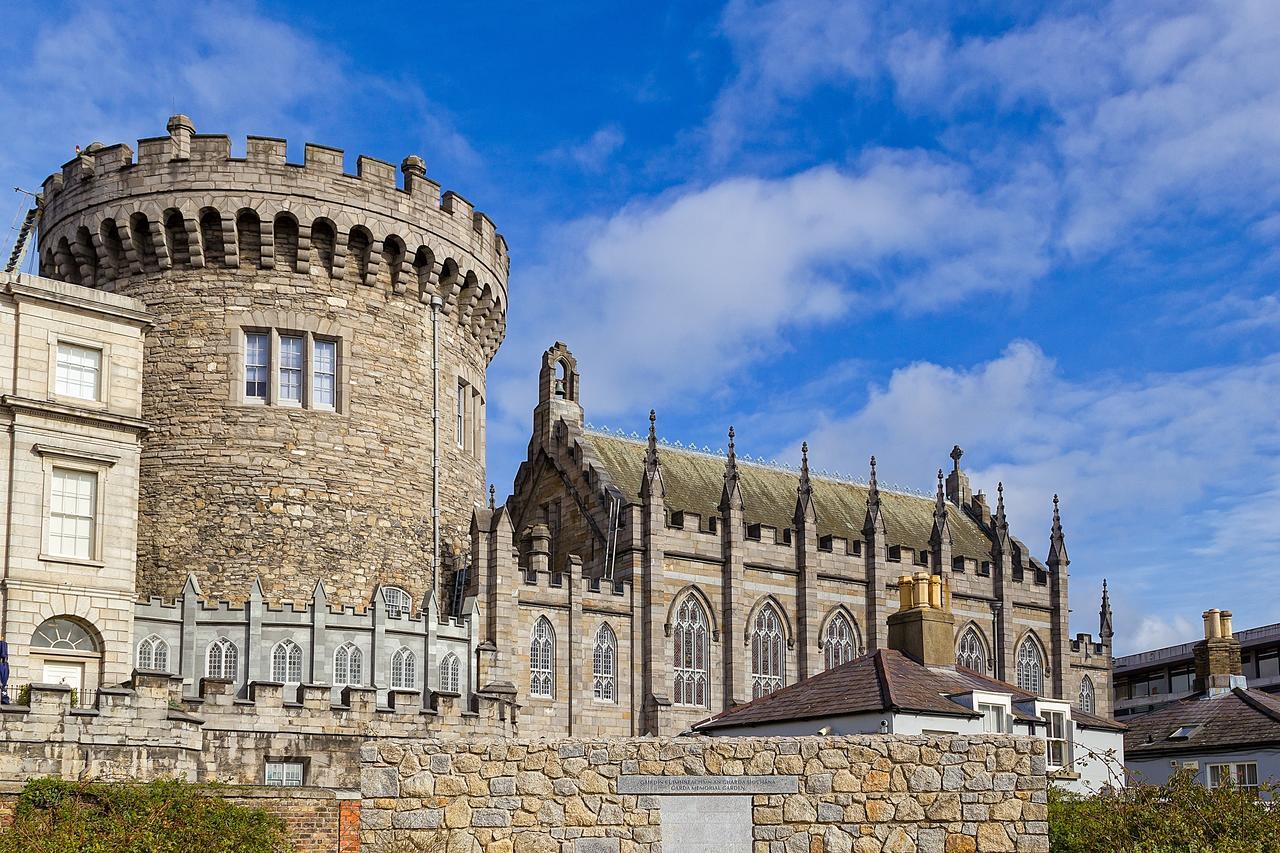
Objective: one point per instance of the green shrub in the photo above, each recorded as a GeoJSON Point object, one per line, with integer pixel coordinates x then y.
{"type": "Point", "coordinates": [167, 816]}
{"type": "Point", "coordinates": [1180, 816]}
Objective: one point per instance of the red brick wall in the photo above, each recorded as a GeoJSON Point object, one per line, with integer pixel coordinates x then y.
{"type": "Point", "coordinates": [315, 820]}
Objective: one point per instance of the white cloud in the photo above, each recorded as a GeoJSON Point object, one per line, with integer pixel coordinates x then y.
{"type": "Point", "coordinates": [672, 295]}
{"type": "Point", "coordinates": [593, 153]}
{"type": "Point", "coordinates": [1154, 632]}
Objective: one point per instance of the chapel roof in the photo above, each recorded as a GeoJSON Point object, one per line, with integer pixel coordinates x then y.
{"type": "Point", "coordinates": [1236, 718]}
{"type": "Point", "coordinates": [694, 481]}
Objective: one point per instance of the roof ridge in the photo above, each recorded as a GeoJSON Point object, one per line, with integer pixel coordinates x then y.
{"type": "Point", "coordinates": [1256, 703]}
{"type": "Point", "coordinates": [882, 676]}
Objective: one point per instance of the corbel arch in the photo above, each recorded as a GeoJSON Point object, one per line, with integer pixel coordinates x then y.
{"type": "Point", "coordinates": [702, 599]}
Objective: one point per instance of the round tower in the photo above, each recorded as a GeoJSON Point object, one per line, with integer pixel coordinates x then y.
{"type": "Point", "coordinates": [307, 324]}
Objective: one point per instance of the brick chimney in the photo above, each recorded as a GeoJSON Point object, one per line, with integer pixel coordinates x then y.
{"type": "Point", "coordinates": [923, 628]}
{"type": "Point", "coordinates": [1217, 656]}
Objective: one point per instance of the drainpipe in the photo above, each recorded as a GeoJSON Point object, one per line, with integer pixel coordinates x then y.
{"type": "Point", "coordinates": [436, 304]}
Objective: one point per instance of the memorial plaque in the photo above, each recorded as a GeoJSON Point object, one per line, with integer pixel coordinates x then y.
{"type": "Point", "coordinates": [711, 824]}
{"type": "Point", "coordinates": [659, 785]}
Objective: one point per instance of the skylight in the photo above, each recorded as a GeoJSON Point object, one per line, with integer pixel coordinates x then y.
{"type": "Point", "coordinates": [1183, 732]}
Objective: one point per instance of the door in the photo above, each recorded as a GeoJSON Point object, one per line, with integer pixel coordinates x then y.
{"type": "Point", "coordinates": [70, 674]}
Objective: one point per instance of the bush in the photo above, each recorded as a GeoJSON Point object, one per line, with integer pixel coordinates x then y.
{"type": "Point", "coordinates": [1180, 815]}
{"type": "Point", "coordinates": [168, 816]}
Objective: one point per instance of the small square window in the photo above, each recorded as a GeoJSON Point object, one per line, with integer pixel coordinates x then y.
{"type": "Point", "coordinates": [78, 371]}
{"type": "Point", "coordinates": [284, 773]}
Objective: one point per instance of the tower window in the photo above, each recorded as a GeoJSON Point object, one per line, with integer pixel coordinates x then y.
{"type": "Point", "coordinates": [257, 363]}
{"type": "Point", "coordinates": [460, 415]}
{"type": "Point", "coordinates": [324, 372]}
{"type": "Point", "coordinates": [291, 368]}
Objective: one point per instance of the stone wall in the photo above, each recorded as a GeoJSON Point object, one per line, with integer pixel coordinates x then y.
{"type": "Point", "coordinates": [797, 795]}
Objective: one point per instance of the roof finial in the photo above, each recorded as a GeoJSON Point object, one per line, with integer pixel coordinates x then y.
{"type": "Point", "coordinates": [804, 491]}
{"type": "Point", "coordinates": [941, 501]}
{"type": "Point", "coordinates": [1057, 541]}
{"type": "Point", "coordinates": [956, 453]}
{"type": "Point", "coordinates": [873, 488]}
{"type": "Point", "coordinates": [731, 494]}
{"type": "Point", "coordinates": [731, 461]}
{"type": "Point", "coordinates": [651, 453]}
{"type": "Point", "coordinates": [492, 496]}
{"type": "Point", "coordinates": [1105, 630]}
{"type": "Point", "coordinates": [1000, 500]}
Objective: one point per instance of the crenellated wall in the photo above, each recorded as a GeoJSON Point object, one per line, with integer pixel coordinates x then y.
{"type": "Point", "coordinates": [239, 481]}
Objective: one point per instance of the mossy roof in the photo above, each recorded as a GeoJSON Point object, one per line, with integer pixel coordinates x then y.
{"type": "Point", "coordinates": [694, 482]}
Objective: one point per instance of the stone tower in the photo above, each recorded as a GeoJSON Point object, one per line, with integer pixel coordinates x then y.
{"type": "Point", "coordinates": [315, 380]}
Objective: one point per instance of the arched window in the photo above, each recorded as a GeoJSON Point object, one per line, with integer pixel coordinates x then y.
{"type": "Point", "coordinates": [64, 635]}
{"type": "Point", "coordinates": [972, 652]}
{"type": "Point", "coordinates": [1030, 667]}
{"type": "Point", "coordinates": [840, 644]}
{"type": "Point", "coordinates": [542, 660]}
{"type": "Point", "coordinates": [286, 662]}
{"type": "Point", "coordinates": [348, 663]}
{"type": "Point", "coordinates": [1086, 695]}
{"type": "Point", "coordinates": [220, 659]}
{"type": "Point", "coordinates": [692, 640]}
{"type": "Point", "coordinates": [766, 652]}
{"type": "Point", "coordinates": [404, 669]}
{"type": "Point", "coordinates": [397, 601]}
{"type": "Point", "coordinates": [604, 665]}
{"type": "Point", "coordinates": [153, 653]}
{"type": "Point", "coordinates": [450, 670]}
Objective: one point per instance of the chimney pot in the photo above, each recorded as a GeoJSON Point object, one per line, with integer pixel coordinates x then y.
{"type": "Point", "coordinates": [1224, 621]}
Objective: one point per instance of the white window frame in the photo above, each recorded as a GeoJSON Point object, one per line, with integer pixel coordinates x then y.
{"type": "Point", "coordinates": [348, 665]}
{"type": "Point", "coordinates": [404, 669]}
{"type": "Point", "coordinates": [277, 369]}
{"type": "Point", "coordinates": [1057, 735]}
{"type": "Point", "coordinates": [286, 774]}
{"type": "Point", "coordinates": [397, 601]}
{"type": "Point", "coordinates": [292, 662]}
{"type": "Point", "coordinates": [542, 660]}
{"type": "Point", "coordinates": [265, 367]}
{"type": "Point", "coordinates": [57, 518]}
{"type": "Point", "coordinates": [1218, 773]}
{"type": "Point", "coordinates": [460, 414]}
{"type": "Point", "coordinates": [604, 665]}
{"type": "Point", "coordinates": [62, 379]}
{"type": "Point", "coordinates": [226, 648]}
{"type": "Point", "coordinates": [289, 365]}
{"type": "Point", "coordinates": [318, 387]}
{"type": "Point", "coordinates": [153, 654]}
{"type": "Point", "coordinates": [450, 673]}
{"type": "Point", "coordinates": [691, 644]}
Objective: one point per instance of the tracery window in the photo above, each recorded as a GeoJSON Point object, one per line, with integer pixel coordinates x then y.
{"type": "Point", "coordinates": [972, 652]}
{"type": "Point", "coordinates": [604, 665]}
{"type": "Point", "coordinates": [220, 659]}
{"type": "Point", "coordinates": [542, 660]}
{"type": "Point", "coordinates": [153, 654]}
{"type": "Point", "coordinates": [404, 669]}
{"type": "Point", "coordinates": [348, 661]}
{"type": "Point", "coordinates": [840, 643]}
{"type": "Point", "coordinates": [1086, 695]}
{"type": "Point", "coordinates": [1030, 667]}
{"type": "Point", "coordinates": [450, 668]}
{"type": "Point", "coordinates": [286, 662]}
{"type": "Point", "coordinates": [766, 652]}
{"type": "Point", "coordinates": [692, 641]}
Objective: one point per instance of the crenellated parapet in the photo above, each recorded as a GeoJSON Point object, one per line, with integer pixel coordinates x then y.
{"type": "Point", "coordinates": [185, 203]}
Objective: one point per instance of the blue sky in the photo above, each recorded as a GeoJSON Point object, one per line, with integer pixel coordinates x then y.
{"type": "Point", "coordinates": [1046, 232]}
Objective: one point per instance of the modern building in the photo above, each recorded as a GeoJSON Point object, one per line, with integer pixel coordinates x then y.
{"type": "Point", "coordinates": [916, 687]}
{"type": "Point", "coordinates": [1146, 680]}
{"type": "Point", "coordinates": [1222, 730]}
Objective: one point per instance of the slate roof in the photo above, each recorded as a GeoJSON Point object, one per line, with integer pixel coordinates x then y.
{"type": "Point", "coordinates": [694, 482]}
{"type": "Point", "coordinates": [1238, 718]}
{"type": "Point", "coordinates": [880, 681]}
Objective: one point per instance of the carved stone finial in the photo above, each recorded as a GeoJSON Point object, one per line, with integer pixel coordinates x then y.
{"type": "Point", "coordinates": [942, 497]}
{"type": "Point", "coordinates": [956, 453]}
{"type": "Point", "coordinates": [492, 496]}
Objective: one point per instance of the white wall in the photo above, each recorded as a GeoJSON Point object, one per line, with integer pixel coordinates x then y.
{"type": "Point", "coordinates": [1156, 771]}
{"type": "Point", "coordinates": [1098, 758]}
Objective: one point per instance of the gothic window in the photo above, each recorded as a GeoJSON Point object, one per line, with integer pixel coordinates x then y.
{"type": "Point", "coordinates": [542, 660]}
{"type": "Point", "coordinates": [220, 659]}
{"type": "Point", "coordinates": [972, 652]}
{"type": "Point", "coordinates": [404, 669]}
{"type": "Point", "coordinates": [840, 643]}
{"type": "Point", "coordinates": [604, 664]}
{"type": "Point", "coordinates": [286, 662]}
{"type": "Point", "coordinates": [1030, 667]}
{"type": "Point", "coordinates": [766, 652]}
{"type": "Point", "coordinates": [692, 640]}
{"type": "Point", "coordinates": [1086, 695]}
{"type": "Point", "coordinates": [153, 653]}
{"type": "Point", "coordinates": [347, 665]}
{"type": "Point", "coordinates": [450, 668]}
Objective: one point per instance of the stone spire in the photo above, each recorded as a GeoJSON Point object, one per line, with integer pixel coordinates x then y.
{"type": "Point", "coordinates": [941, 529]}
{"type": "Point", "coordinates": [1001, 523]}
{"type": "Point", "coordinates": [804, 491]}
{"type": "Point", "coordinates": [652, 481]}
{"type": "Point", "coordinates": [1057, 542]}
{"type": "Point", "coordinates": [874, 520]}
{"type": "Point", "coordinates": [731, 494]}
{"type": "Point", "coordinates": [1105, 631]}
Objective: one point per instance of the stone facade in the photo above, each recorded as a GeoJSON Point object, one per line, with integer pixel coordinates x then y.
{"type": "Point", "coordinates": [325, 474]}
{"type": "Point", "coordinates": [832, 795]}
{"type": "Point", "coordinates": [93, 432]}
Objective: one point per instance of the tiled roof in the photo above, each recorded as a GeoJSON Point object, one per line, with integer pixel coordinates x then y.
{"type": "Point", "coordinates": [883, 680]}
{"type": "Point", "coordinates": [694, 482]}
{"type": "Point", "coordinates": [1237, 718]}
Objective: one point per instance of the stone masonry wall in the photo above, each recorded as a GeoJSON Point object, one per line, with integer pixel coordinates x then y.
{"type": "Point", "coordinates": [859, 794]}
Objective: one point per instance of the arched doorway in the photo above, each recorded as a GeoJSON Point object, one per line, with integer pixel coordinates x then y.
{"type": "Point", "coordinates": [65, 650]}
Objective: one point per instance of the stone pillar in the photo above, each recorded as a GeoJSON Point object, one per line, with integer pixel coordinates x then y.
{"type": "Point", "coordinates": [191, 663]}
{"type": "Point", "coordinates": [255, 652]}
{"type": "Point", "coordinates": [733, 610]}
